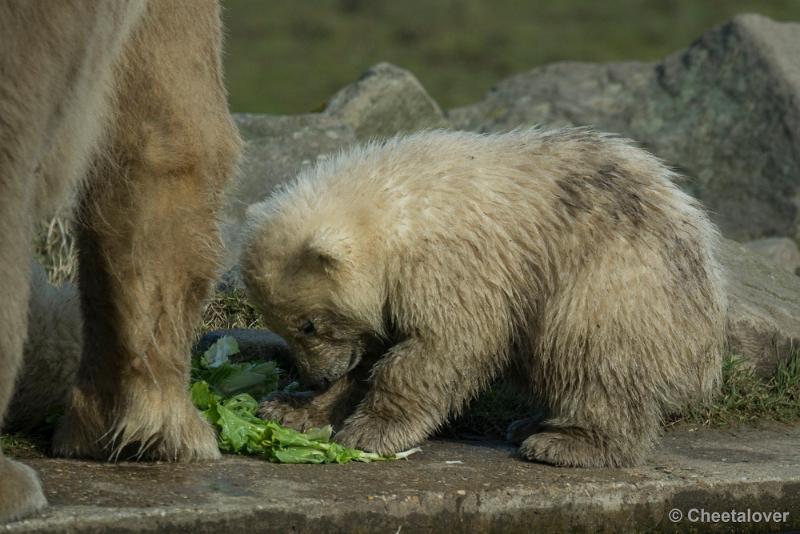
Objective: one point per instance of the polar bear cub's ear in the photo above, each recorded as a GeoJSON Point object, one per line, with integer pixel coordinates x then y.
{"type": "Point", "coordinates": [328, 249]}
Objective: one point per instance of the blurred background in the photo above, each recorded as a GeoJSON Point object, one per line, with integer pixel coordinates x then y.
{"type": "Point", "coordinates": [290, 56]}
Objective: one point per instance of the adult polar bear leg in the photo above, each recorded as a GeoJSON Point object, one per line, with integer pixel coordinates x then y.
{"type": "Point", "coordinates": [20, 491]}
{"type": "Point", "coordinates": [148, 242]}
{"type": "Point", "coordinates": [51, 68]}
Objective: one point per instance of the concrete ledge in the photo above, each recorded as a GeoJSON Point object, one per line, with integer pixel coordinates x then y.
{"type": "Point", "coordinates": [449, 487]}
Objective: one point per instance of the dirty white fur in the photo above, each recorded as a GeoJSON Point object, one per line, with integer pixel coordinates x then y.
{"type": "Point", "coordinates": [52, 353]}
{"type": "Point", "coordinates": [567, 258]}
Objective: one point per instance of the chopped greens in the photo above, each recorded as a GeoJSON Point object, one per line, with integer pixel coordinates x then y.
{"type": "Point", "coordinates": [226, 393]}
{"type": "Point", "coordinates": [228, 378]}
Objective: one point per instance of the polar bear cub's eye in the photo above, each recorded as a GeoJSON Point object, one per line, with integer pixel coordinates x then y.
{"type": "Point", "coordinates": [308, 328]}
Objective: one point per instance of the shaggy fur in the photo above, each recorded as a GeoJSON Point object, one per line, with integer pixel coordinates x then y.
{"type": "Point", "coordinates": [126, 99]}
{"type": "Point", "coordinates": [568, 258]}
{"type": "Point", "coordinates": [51, 355]}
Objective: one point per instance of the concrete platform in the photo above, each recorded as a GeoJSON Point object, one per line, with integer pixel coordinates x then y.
{"type": "Point", "coordinates": [449, 487]}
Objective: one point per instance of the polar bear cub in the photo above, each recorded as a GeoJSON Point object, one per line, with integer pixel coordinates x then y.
{"type": "Point", "coordinates": [408, 274]}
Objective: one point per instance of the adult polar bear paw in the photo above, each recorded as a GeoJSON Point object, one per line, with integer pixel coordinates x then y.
{"type": "Point", "coordinates": [20, 490]}
{"type": "Point", "coordinates": [153, 424]}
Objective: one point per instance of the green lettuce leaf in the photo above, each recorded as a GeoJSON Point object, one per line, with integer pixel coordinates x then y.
{"type": "Point", "coordinates": [219, 352]}
{"type": "Point", "coordinates": [227, 378]}
{"type": "Point", "coordinates": [226, 393]}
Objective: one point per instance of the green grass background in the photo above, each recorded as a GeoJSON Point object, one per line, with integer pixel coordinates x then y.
{"type": "Point", "coordinates": [290, 56]}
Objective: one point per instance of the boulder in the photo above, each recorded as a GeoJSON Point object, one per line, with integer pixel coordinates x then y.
{"type": "Point", "coordinates": [781, 252]}
{"type": "Point", "coordinates": [763, 308]}
{"type": "Point", "coordinates": [386, 100]}
{"type": "Point", "coordinates": [725, 111]}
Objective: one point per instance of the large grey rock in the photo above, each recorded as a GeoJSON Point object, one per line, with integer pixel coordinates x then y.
{"type": "Point", "coordinates": [781, 252]}
{"type": "Point", "coordinates": [385, 101]}
{"type": "Point", "coordinates": [764, 308]}
{"type": "Point", "coordinates": [725, 111]}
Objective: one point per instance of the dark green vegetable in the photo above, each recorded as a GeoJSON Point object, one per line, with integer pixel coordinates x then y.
{"type": "Point", "coordinates": [226, 392]}
{"type": "Point", "coordinates": [228, 378]}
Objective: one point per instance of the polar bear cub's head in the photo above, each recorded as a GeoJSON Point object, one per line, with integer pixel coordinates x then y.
{"type": "Point", "coordinates": [317, 281]}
